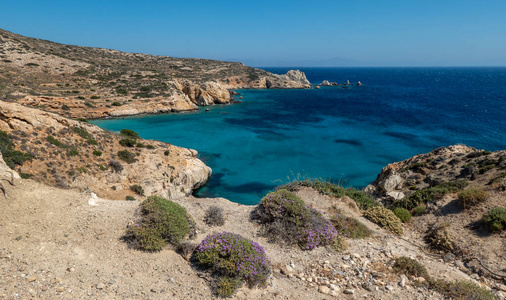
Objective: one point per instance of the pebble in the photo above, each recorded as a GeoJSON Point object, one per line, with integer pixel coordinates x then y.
{"type": "Point", "coordinates": [389, 287]}
{"type": "Point", "coordinates": [346, 257]}
{"type": "Point", "coordinates": [324, 290]}
{"type": "Point", "coordinates": [100, 286]}
{"type": "Point", "coordinates": [349, 291]}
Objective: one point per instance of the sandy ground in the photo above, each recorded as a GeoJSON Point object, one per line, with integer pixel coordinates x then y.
{"type": "Point", "coordinates": [57, 244]}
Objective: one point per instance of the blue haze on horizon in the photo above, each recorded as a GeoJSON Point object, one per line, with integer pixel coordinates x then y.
{"type": "Point", "coordinates": [277, 33]}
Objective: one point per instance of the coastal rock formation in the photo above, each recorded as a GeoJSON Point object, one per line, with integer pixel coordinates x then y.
{"type": "Point", "coordinates": [70, 153]}
{"type": "Point", "coordinates": [207, 93]}
{"type": "Point", "coordinates": [440, 165]}
{"type": "Point", "coordinates": [295, 75]}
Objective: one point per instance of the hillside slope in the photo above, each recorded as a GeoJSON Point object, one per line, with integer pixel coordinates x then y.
{"type": "Point", "coordinates": [89, 82]}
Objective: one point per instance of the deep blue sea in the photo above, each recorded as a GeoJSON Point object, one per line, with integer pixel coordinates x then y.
{"type": "Point", "coordinates": [342, 135]}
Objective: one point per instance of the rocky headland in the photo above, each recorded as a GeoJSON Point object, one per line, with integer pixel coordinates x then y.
{"type": "Point", "coordinates": [84, 82]}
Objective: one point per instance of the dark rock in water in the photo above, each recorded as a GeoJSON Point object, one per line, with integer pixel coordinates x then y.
{"type": "Point", "coordinates": [359, 83]}
{"type": "Point", "coordinates": [207, 109]}
{"type": "Point", "coordinates": [233, 93]}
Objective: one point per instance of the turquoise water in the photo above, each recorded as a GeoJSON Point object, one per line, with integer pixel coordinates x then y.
{"type": "Point", "coordinates": [343, 135]}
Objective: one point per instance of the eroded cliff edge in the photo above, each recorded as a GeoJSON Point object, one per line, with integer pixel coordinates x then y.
{"type": "Point", "coordinates": [69, 153]}
{"type": "Point", "coordinates": [84, 82]}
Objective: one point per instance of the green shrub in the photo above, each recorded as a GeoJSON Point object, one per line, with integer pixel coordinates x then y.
{"type": "Point", "coordinates": [51, 139]}
{"type": "Point", "coordinates": [166, 152]}
{"type": "Point", "coordinates": [137, 189]}
{"type": "Point", "coordinates": [130, 198]}
{"type": "Point", "coordinates": [82, 120]}
{"type": "Point", "coordinates": [127, 142]}
{"type": "Point", "coordinates": [95, 97]}
{"type": "Point", "coordinates": [419, 210]}
{"type": "Point", "coordinates": [162, 221]}
{"type": "Point", "coordinates": [461, 289]}
{"type": "Point", "coordinates": [97, 153]}
{"type": "Point", "coordinates": [349, 227]}
{"type": "Point", "coordinates": [403, 214]}
{"type": "Point", "coordinates": [495, 219]}
{"type": "Point", "coordinates": [12, 157]}
{"type": "Point", "coordinates": [103, 168]}
{"type": "Point", "coordinates": [91, 142]}
{"type": "Point", "coordinates": [285, 216]}
{"type": "Point", "coordinates": [72, 152]}
{"type": "Point", "coordinates": [25, 175]}
{"type": "Point", "coordinates": [384, 218]}
{"type": "Point", "coordinates": [116, 103]}
{"type": "Point", "coordinates": [126, 156]}
{"type": "Point", "coordinates": [140, 145]}
{"type": "Point", "coordinates": [129, 134]}
{"type": "Point", "coordinates": [410, 267]}
{"type": "Point", "coordinates": [363, 200]}
{"type": "Point", "coordinates": [472, 196]}
{"type": "Point", "coordinates": [431, 194]}
{"type": "Point", "coordinates": [65, 107]}
{"type": "Point", "coordinates": [82, 133]}
{"type": "Point", "coordinates": [151, 147]}
{"type": "Point", "coordinates": [235, 258]}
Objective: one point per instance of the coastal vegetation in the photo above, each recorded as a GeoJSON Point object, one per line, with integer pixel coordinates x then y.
{"type": "Point", "coordinates": [384, 218]}
{"type": "Point", "coordinates": [363, 200]}
{"type": "Point", "coordinates": [233, 260]}
{"type": "Point", "coordinates": [161, 222]}
{"type": "Point", "coordinates": [286, 218]}
{"type": "Point", "coordinates": [11, 156]}
{"type": "Point", "coordinates": [495, 219]}
{"type": "Point", "coordinates": [214, 216]}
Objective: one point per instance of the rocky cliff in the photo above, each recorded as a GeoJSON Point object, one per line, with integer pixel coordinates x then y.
{"type": "Point", "coordinates": [68, 153]}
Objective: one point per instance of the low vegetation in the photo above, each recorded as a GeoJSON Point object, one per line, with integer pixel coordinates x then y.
{"type": "Point", "coordinates": [126, 156]}
{"type": "Point", "coordinates": [472, 197]}
{"type": "Point", "coordinates": [384, 218]}
{"type": "Point", "coordinates": [439, 238]}
{"type": "Point", "coordinates": [410, 267]}
{"type": "Point", "coordinates": [214, 216]}
{"type": "Point", "coordinates": [234, 260]}
{"type": "Point", "coordinates": [129, 134]}
{"type": "Point", "coordinates": [363, 200]}
{"type": "Point", "coordinates": [162, 222]}
{"type": "Point", "coordinates": [12, 157]}
{"type": "Point", "coordinates": [403, 214]}
{"type": "Point", "coordinates": [137, 189]}
{"type": "Point", "coordinates": [431, 194]}
{"type": "Point", "coordinates": [460, 289]}
{"type": "Point", "coordinates": [349, 227]}
{"type": "Point", "coordinates": [287, 219]}
{"type": "Point", "coordinates": [495, 219]}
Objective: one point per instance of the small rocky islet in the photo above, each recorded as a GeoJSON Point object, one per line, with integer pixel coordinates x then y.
{"type": "Point", "coordinates": [62, 239]}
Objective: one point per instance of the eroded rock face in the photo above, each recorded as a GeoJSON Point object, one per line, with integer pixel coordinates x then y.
{"type": "Point", "coordinates": [83, 158]}
{"type": "Point", "coordinates": [205, 94]}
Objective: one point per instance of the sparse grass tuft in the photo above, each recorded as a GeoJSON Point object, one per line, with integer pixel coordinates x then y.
{"type": "Point", "coordinates": [349, 227]}
{"type": "Point", "coordinates": [410, 267]}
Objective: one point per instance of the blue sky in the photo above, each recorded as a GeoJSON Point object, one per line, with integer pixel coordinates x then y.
{"type": "Point", "coordinates": [277, 33]}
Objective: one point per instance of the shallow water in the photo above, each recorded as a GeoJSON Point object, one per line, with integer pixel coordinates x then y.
{"type": "Point", "coordinates": [343, 135]}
